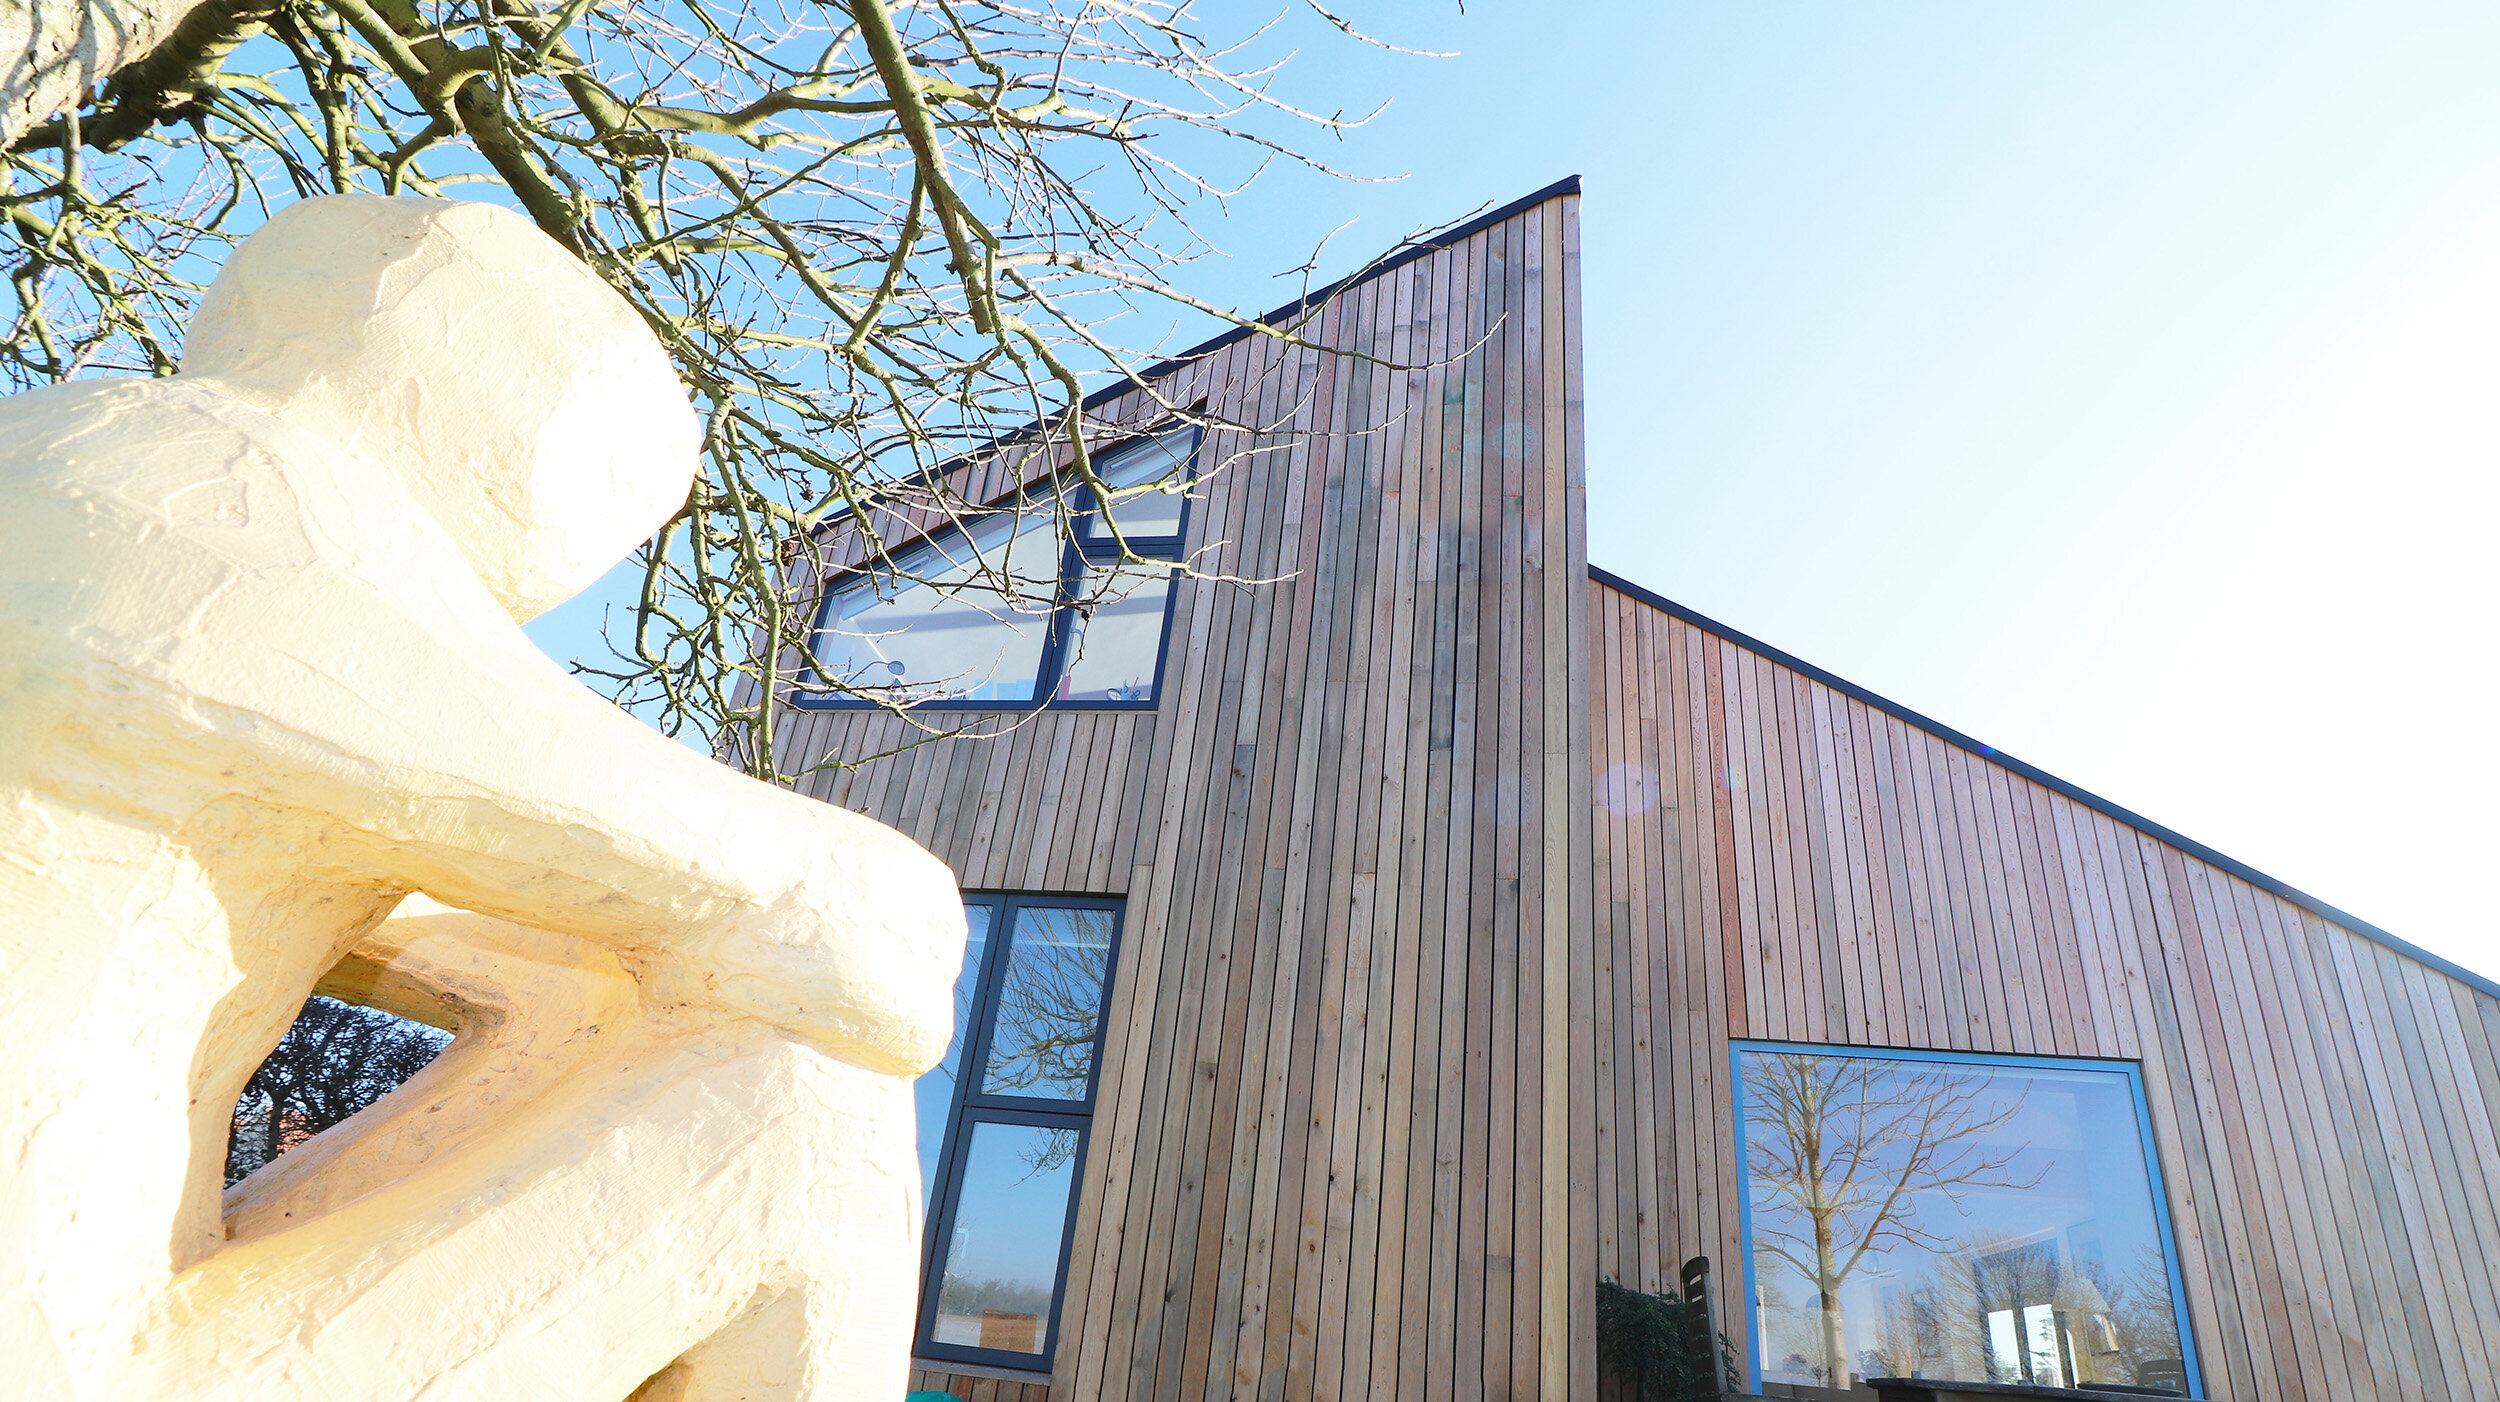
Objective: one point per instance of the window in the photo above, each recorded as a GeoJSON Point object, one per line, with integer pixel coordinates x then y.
{"type": "Point", "coordinates": [1975, 1218]}
{"type": "Point", "coordinates": [1007, 612]}
{"type": "Point", "coordinates": [1003, 1122]}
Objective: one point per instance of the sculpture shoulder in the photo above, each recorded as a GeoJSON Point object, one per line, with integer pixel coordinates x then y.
{"type": "Point", "coordinates": [173, 532]}
{"type": "Point", "coordinates": [176, 491]}
{"type": "Point", "coordinates": [51, 432]}
{"type": "Point", "coordinates": [108, 482]}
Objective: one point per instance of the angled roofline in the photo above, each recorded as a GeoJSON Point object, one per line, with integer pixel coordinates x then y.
{"type": "Point", "coordinates": [1404, 254]}
{"type": "Point", "coordinates": [2049, 781]}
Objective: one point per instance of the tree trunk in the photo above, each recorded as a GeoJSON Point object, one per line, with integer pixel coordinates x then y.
{"type": "Point", "coordinates": [1835, 1340]}
{"type": "Point", "coordinates": [53, 51]}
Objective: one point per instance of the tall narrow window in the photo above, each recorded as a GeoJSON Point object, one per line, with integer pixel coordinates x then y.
{"type": "Point", "coordinates": [1003, 1125]}
{"type": "Point", "coordinates": [1989, 1219]}
{"type": "Point", "coordinates": [1009, 611]}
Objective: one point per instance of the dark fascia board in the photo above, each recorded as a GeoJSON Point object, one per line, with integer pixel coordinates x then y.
{"type": "Point", "coordinates": [1395, 259]}
{"type": "Point", "coordinates": [2049, 781]}
{"type": "Point", "coordinates": [1309, 301]}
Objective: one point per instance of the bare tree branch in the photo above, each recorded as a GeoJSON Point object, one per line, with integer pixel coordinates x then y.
{"type": "Point", "coordinates": [1844, 1149]}
{"type": "Point", "coordinates": [877, 237]}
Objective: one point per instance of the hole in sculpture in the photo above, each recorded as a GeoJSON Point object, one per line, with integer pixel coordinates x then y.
{"type": "Point", "coordinates": [337, 1059]}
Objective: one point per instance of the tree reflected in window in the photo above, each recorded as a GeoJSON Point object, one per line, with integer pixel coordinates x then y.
{"type": "Point", "coordinates": [1049, 1000]}
{"type": "Point", "coordinates": [1941, 1218]}
{"type": "Point", "coordinates": [1003, 1174]}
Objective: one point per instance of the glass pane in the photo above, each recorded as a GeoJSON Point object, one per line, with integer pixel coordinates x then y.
{"type": "Point", "coordinates": [1943, 1220]}
{"type": "Point", "coordinates": [1002, 1258]}
{"type": "Point", "coordinates": [981, 642]}
{"type": "Point", "coordinates": [1112, 655]}
{"type": "Point", "coordinates": [933, 1095]}
{"type": "Point", "coordinates": [1049, 1004]}
{"type": "Point", "coordinates": [1160, 463]}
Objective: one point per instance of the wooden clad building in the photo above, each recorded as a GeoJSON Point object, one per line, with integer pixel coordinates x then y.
{"type": "Point", "coordinates": [1466, 899]}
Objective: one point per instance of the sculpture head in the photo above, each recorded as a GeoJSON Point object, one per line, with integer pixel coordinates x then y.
{"type": "Point", "coordinates": [524, 403]}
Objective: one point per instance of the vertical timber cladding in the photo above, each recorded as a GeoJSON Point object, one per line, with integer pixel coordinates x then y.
{"type": "Point", "coordinates": [978, 1387]}
{"type": "Point", "coordinates": [1776, 858]}
{"type": "Point", "coordinates": [1336, 1150]}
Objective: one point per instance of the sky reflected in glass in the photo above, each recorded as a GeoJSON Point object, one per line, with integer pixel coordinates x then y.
{"type": "Point", "coordinates": [916, 636]}
{"type": "Point", "coordinates": [933, 1095]}
{"type": "Point", "coordinates": [1002, 1257]}
{"type": "Point", "coordinates": [1943, 1220]}
{"type": "Point", "coordinates": [1161, 462]}
{"type": "Point", "coordinates": [1112, 655]}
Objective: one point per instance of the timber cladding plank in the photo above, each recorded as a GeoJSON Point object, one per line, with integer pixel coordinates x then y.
{"type": "Point", "coordinates": [2323, 1104]}
{"type": "Point", "coordinates": [1340, 1142]}
{"type": "Point", "coordinates": [979, 1387]}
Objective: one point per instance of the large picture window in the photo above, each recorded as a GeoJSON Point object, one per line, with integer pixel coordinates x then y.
{"type": "Point", "coordinates": [1003, 1123]}
{"type": "Point", "coordinates": [1014, 611]}
{"type": "Point", "coordinates": [1936, 1215]}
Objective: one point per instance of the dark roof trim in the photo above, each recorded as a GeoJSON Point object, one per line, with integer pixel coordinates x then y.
{"type": "Point", "coordinates": [1405, 254]}
{"type": "Point", "coordinates": [2093, 801]}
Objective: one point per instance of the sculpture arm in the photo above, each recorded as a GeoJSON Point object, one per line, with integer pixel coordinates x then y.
{"type": "Point", "coordinates": [494, 782]}
{"type": "Point", "coordinates": [194, 621]}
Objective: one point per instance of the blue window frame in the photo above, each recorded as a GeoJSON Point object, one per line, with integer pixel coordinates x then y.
{"type": "Point", "coordinates": [1010, 612]}
{"type": "Point", "coordinates": [1004, 1121]}
{"type": "Point", "coordinates": [1959, 1216]}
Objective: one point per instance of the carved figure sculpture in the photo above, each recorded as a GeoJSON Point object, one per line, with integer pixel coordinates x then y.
{"type": "Point", "coordinates": [260, 678]}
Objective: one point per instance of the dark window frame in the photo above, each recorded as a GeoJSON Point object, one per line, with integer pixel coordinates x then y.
{"type": "Point", "coordinates": [972, 1107]}
{"type": "Point", "coordinates": [2155, 1180]}
{"type": "Point", "coordinates": [1082, 548]}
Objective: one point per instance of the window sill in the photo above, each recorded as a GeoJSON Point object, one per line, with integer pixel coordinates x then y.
{"type": "Point", "coordinates": [828, 703]}
{"type": "Point", "coordinates": [979, 1370]}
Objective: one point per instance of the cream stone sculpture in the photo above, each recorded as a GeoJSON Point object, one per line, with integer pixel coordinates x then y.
{"type": "Point", "coordinates": [260, 679]}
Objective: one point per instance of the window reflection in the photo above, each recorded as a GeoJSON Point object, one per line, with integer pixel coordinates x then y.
{"type": "Point", "coordinates": [1112, 654]}
{"type": "Point", "coordinates": [933, 1095]}
{"type": "Point", "coordinates": [1014, 609]}
{"type": "Point", "coordinates": [1003, 1120]}
{"type": "Point", "coordinates": [1049, 1004]}
{"type": "Point", "coordinates": [1001, 1266]}
{"type": "Point", "coordinates": [949, 628]}
{"type": "Point", "coordinates": [1983, 1223]}
{"type": "Point", "coordinates": [1160, 463]}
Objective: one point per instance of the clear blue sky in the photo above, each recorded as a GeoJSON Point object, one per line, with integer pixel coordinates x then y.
{"type": "Point", "coordinates": [2118, 383]}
